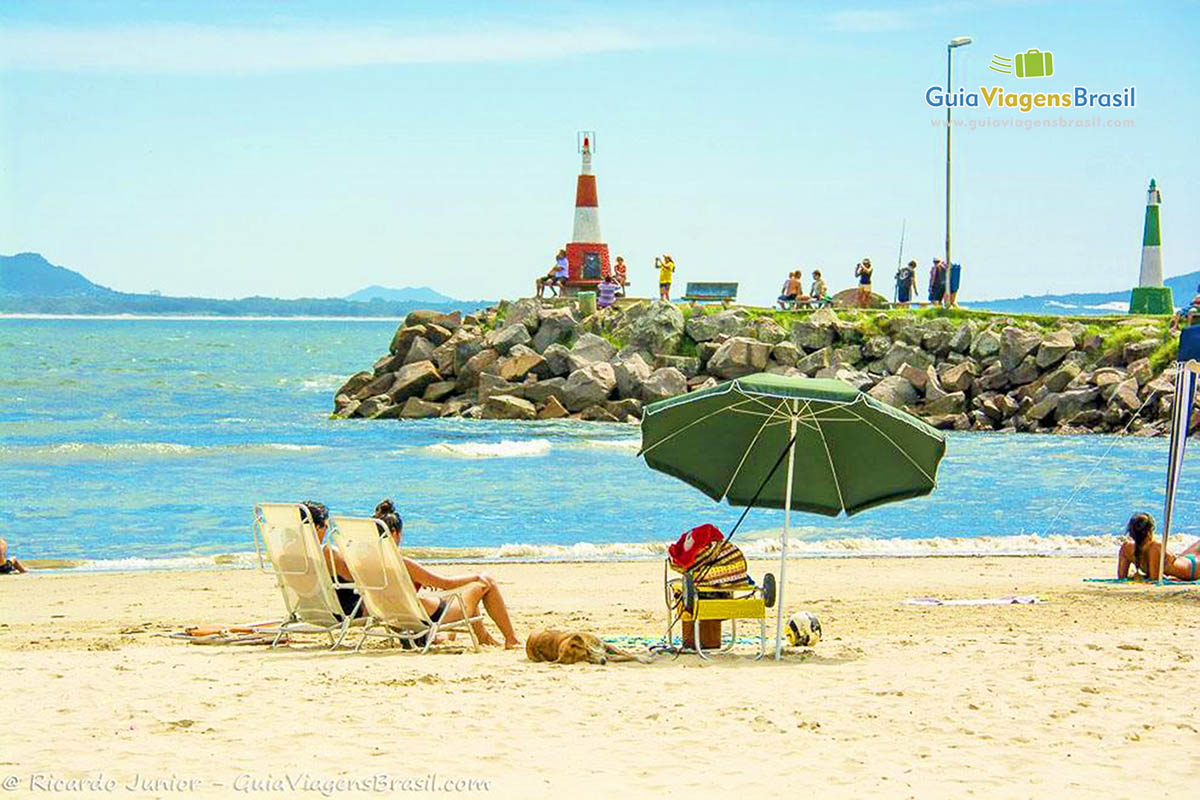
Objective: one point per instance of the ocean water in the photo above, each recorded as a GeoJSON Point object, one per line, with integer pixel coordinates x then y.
{"type": "Point", "coordinates": [138, 443]}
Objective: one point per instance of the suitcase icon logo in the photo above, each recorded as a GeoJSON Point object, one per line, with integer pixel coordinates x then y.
{"type": "Point", "coordinates": [1033, 63]}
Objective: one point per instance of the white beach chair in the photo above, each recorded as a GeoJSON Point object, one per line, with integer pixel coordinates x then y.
{"type": "Point", "coordinates": [393, 609]}
{"type": "Point", "coordinates": [302, 571]}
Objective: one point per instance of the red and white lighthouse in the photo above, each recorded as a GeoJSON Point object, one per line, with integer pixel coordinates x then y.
{"type": "Point", "coordinates": [587, 254]}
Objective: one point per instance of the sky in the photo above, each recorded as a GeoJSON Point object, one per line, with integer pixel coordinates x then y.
{"type": "Point", "coordinates": [314, 148]}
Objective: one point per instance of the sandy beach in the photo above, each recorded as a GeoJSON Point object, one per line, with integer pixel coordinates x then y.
{"type": "Point", "coordinates": [1056, 699]}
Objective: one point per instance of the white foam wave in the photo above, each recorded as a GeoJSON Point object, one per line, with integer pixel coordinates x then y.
{"type": "Point", "coordinates": [505, 448]}
{"type": "Point", "coordinates": [90, 451]}
{"type": "Point", "coordinates": [632, 445]}
{"type": "Point", "coordinates": [170, 564]}
{"type": "Point", "coordinates": [322, 383]}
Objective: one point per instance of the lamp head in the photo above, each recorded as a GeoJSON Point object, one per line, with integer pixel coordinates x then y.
{"type": "Point", "coordinates": [959, 41]}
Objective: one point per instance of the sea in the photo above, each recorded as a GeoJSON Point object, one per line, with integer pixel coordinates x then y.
{"type": "Point", "coordinates": [144, 443]}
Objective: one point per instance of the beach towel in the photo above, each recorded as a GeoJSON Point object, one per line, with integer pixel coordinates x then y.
{"type": "Point", "coordinates": [721, 564]}
{"type": "Point", "coordinates": [1015, 600]}
{"type": "Point", "coordinates": [1146, 581]}
{"type": "Point", "coordinates": [253, 633]}
{"type": "Point", "coordinates": [692, 544]}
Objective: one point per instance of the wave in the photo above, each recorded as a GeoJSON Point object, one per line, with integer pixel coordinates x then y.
{"type": "Point", "coordinates": [632, 445]}
{"type": "Point", "coordinates": [505, 448]}
{"type": "Point", "coordinates": [90, 451]}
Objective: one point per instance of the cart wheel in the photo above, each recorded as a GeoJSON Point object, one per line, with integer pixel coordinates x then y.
{"type": "Point", "coordinates": [768, 590]}
{"type": "Point", "coordinates": [690, 594]}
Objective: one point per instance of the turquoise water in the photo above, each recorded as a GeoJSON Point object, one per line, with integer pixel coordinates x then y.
{"type": "Point", "coordinates": [137, 442]}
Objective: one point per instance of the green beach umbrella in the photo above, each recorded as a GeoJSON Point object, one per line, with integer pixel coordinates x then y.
{"type": "Point", "coordinates": [771, 441]}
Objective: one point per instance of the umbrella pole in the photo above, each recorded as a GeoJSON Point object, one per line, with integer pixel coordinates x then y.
{"type": "Point", "coordinates": [783, 550]}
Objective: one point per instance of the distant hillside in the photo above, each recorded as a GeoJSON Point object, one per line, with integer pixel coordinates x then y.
{"type": "Point", "coordinates": [29, 284]}
{"type": "Point", "coordinates": [418, 294]}
{"type": "Point", "coordinates": [1183, 288]}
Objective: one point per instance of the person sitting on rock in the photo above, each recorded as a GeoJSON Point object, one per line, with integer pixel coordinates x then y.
{"type": "Point", "coordinates": [1141, 553]}
{"type": "Point", "coordinates": [790, 292]}
{"type": "Point", "coordinates": [476, 589]}
{"type": "Point", "coordinates": [9, 566]}
{"type": "Point", "coordinates": [607, 292]}
{"type": "Point", "coordinates": [621, 273]}
{"type": "Point", "coordinates": [556, 278]}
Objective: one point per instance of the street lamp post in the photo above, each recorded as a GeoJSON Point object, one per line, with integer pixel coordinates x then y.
{"type": "Point", "coordinates": [954, 43]}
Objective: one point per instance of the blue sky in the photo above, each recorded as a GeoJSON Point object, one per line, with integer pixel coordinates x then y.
{"type": "Point", "coordinates": [229, 149]}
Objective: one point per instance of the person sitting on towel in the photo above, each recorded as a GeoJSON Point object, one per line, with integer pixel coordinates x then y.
{"type": "Point", "coordinates": [1142, 553]}
{"type": "Point", "coordinates": [9, 566]}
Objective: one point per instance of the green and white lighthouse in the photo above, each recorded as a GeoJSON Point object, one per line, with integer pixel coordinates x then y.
{"type": "Point", "coordinates": [1150, 296]}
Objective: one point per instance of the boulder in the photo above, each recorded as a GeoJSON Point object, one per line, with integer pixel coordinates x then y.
{"type": "Point", "coordinates": [985, 345]}
{"type": "Point", "coordinates": [1071, 403]}
{"type": "Point", "coordinates": [421, 316]}
{"type": "Point", "coordinates": [856, 378]}
{"type": "Point", "coordinates": [895, 391]}
{"type": "Point", "coordinates": [1059, 379]}
{"type": "Point", "coordinates": [705, 351]}
{"type": "Point", "coordinates": [701, 382]}
{"type": "Point", "coordinates": [631, 373]}
{"type": "Point", "coordinates": [597, 414]}
{"type": "Point", "coordinates": [1141, 371]}
{"type": "Point", "coordinates": [344, 407]}
{"type": "Point", "coordinates": [785, 354]}
{"type": "Point", "coordinates": [900, 353]}
{"type": "Point", "coordinates": [522, 361]}
{"type": "Point", "coordinates": [764, 329]}
{"type": "Point", "coordinates": [1135, 351]}
{"type": "Point", "coordinates": [412, 380]}
{"type": "Point", "coordinates": [813, 363]}
{"type": "Point", "coordinates": [960, 340]}
{"type": "Point", "coordinates": [738, 357]}
{"type": "Point", "coordinates": [468, 375]}
{"type": "Point", "coordinates": [1015, 345]}
{"type": "Point", "coordinates": [876, 347]}
{"type": "Point", "coordinates": [993, 378]}
{"type": "Point", "coordinates": [357, 381]}
{"type": "Point", "coordinates": [953, 403]}
{"type": "Point", "coordinates": [468, 346]}
{"type": "Point", "coordinates": [1124, 396]}
{"type": "Point", "coordinates": [658, 328]}
{"type": "Point", "coordinates": [1054, 348]}
{"type": "Point", "coordinates": [950, 422]}
{"type": "Point", "coordinates": [451, 322]}
{"type": "Point", "coordinates": [556, 358]}
{"type": "Point", "coordinates": [403, 338]}
{"type": "Point", "coordinates": [439, 391]}
{"type": "Point", "coordinates": [704, 327]}
{"type": "Point", "coordinates": [625, 410]}
{"type": "Point", "coordinates": [688, 365]}
{"type": "Point", "coordinates": [1043, 408]}
{"type": "Point", "coordinates": [372, 407]}
{"type": "Point", "coordinates": [377, 386]}
{"type": "Point", "coordinates": [917, 377]}
{"type": "Point", "coordinates": [436, 334]}
{"type": "Point", "coordinates": [848, 354]}
{"type": "Point", "coordinates": [421, 349]}
{"type": "Point", "coordinates": [588, 349]}
{"type": "Point", "coordinates": [589, 386]}
{"type": "Point", "coordinates": [443, 357]}
{"type": "Point", "coordinates": [810, 334]}
{"type": "Point", "coordinates": [542, 391]}
{"type": "Point", "coordinates": [416, 408]}
{"type": "Point", "coordinates": [506, 406]}
{"type": "Point", "coordinates": [387, 363]}
{"type": "Point", "coordinates": [504, 339]}
{"type": "Point", "coordinates": [558, 326]}
{"type": "Point", "coordinates": [490, 384]}
{"type": "Point", "coordinates": [523, 312]}
{"type": "Point", "coordinates": [958, 377]}
{"type": "Point", "coordinates": [663, 383]}
{"type": "Point", "coordinates": [553, 409]}
{"type": "Point", "coordinates": [1023, 373]}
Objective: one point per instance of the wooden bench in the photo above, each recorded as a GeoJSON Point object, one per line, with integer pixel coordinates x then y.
{"type": "Point", "coordinates": [711, 292]}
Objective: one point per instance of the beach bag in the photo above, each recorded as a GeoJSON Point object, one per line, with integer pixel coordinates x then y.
{"type": "Point", "coordinates": [708, 557]}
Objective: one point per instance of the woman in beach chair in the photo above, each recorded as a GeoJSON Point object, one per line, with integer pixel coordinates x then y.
{"type": "Point", "coordinates": [1142, 553]}
{"type": "Point", "coordinates": [476, 589]}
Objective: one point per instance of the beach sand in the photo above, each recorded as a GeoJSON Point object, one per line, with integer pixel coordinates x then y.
{"type": "Point", "coordinates": [1093, 692]}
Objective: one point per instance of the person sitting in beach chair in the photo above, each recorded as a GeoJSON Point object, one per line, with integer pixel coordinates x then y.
{"type": "Point", "coordinates": [1188, 313]}
{"type": "Point", "coordinates": [9, 566]}
{"type": "Point", "coordinates": [1141, 553]}
{"type": "Point", "coordinates": [476, 589]}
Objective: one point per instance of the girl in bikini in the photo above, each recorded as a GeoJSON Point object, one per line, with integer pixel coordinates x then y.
{"type": "Point", "coordinates": [1141, 552]}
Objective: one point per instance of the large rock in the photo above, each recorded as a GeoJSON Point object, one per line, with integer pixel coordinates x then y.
{"type": "Point", "coordinates": [958, 377]}
{"type": "Point", "coordinates": [412, 380]}
{"type": "Point", "coordinates": [421, 316]}
{"type": "Point", "coordinates": [764, 329]}
{"type": "Point", "coordinates": [437, 392]}
{"type": "Point", "coordinates": [357, 381]}
{"type": "Point", "coordinates": [704, 327]}
{"type": "Point", "coordinates": [421, 349]}
{"type": "Point", "coordinates": [1135, 351]}
{"type": "Point", "coordinates": [625, 410]}
{"type": "Point", "coordinates": [542, 391]}
{"type": "Point", "coordinates": [553, 409]}
{"type": "Point", "coordinates": [1054, 348]}
{"type": "Point", "coordinates": [1140, 371]}
{"type": "Point", "coordinates": [506, 406]}
{"type": "Point", "coordinates": [953, 403]}
{"type": "Point", "coordinates": [1071, 403]}
{"type": "Point", "coordinates": [490, 385]}
{"type": "Point", "coordinates": [631, 373]}
{"type": "Point", "coordinates": [372, 407]}
{"type": "Point", "coordinates": [1015, 345]}
{"type": "Point", "coordinates": [469, 344]}
{"type": "Point", "coordinates": [416, 408]}
{"type": "Point", "coordinates": [895, 391]}
{"type": "Point", "coordinates": [378, 385]}
{"type": "Point", "coordinates": [663, 383]}
{"type": "Point", "coordinates": [877, 347]}
{"type": "Point", "coordinates": [556, 356]}
{"type": "Point", "coordinates": [451, 322]}
{"type": "Point", "coordinates": [659, 329]}
{"type": "Point", "coordinates": [810, 334]}
{"type": "Point", "coordinates": [738, 357]}
{"type": "Point", "coordinates": [522, 361]}
{"type": "Point", "coordinates": [901, 353]}
{"type": "Point", "coordinates": [688, 365]}
{"type": "Point", "coordinates": [403, 339]}
{"type": "Point", "coordinates": [588, 349]}
{"type": "Point", "coordinates": [1060, 378]}
{"type": "Point", "coordinates": [1042, 409]}
{"type": "Point", "coordinates": [436, 334]}
{"type": "Point", "coordinates": [504, 339]}
{"type": "Point", "coordinates": [597, 414]}
{"type": "Point", "coordinates": [589, 386]}
{"type": "Point", "coordinates": [960, 340]}
{"type": "Point", "coordinates": [1023, 373]}
{"type": "Point", "coordinates": [785, 354]}
{"type": "Point", "coordinates": [524, 312]}
{"type": "Point", "coordinates": [1124, 396]}
{"type": "Point", "coordinates": [856, 378]}
{"type": "Point", "coordinates": [468, 374]}
{"type": "Point", "coordinates": [558, 325]}
{"type": "Point", "coordinates": [813, 363]}
{"type": "Point", "coordinates": [985, 345]}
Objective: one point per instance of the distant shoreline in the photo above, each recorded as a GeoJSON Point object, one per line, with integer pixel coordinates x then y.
{"type": "Point", "coordinates": [199, 318]}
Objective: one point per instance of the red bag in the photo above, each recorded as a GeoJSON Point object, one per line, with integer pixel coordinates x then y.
{"type": "Point", "coordinates": [684, 552]}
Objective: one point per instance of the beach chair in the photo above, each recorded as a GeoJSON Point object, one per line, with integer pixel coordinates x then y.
{"type": "Point", "coordinates": [394, 612]}
{"type": "Point", "coordinates": [302, 571]}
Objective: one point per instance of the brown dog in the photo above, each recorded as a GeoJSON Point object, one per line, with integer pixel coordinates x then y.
{"type": "Point", "coordinates": [561, 647]}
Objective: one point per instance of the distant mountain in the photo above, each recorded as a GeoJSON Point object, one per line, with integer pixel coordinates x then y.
{"type": "Point", "coordinates": [1183, 288]}
{"type": "Point", "coordinates": [29, 284]}
{"type": "Point", "coordinates": [415, 294]}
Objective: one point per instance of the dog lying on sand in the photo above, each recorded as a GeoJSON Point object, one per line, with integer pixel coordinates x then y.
{"type": "Point", "coordinates": [571, 647]}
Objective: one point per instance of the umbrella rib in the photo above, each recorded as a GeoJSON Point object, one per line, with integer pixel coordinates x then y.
{"type": "Point", "coordinates": [832, 469]}
{"type": "Point", "coordinates": [899, 449]}
{"type": "Point", "coordinates": [673, 434]}
{"type": "Point", "coordinates": [749, 447]}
